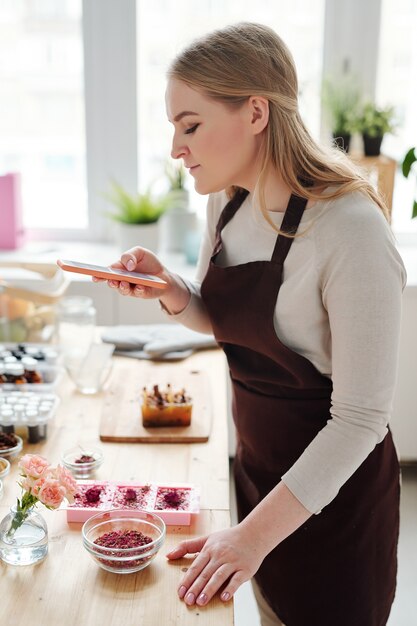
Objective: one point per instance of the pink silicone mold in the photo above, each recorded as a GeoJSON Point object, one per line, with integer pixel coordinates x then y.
{"type": "Point", "coordinates": [173, 503]}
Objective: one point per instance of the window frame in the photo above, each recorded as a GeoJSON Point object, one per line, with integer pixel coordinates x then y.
{"type": "Point", "coordinates": [351, 40]}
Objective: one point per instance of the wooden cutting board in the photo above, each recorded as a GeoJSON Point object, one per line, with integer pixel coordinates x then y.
{"type": "Point", "coordinates": [121, 419]}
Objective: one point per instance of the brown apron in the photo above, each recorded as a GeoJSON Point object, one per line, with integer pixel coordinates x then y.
{"type": "Point", "coordinates": [339, 568]}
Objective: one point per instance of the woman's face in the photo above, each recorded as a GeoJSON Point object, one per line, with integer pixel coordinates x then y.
{"type": "Point", "coordinates": [218, 143]}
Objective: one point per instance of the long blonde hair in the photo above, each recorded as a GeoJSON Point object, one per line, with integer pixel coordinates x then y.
{"type": "Point", "coordinates": [246, 59]}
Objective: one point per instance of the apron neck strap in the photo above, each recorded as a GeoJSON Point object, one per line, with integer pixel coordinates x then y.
{"type": "Point", "coordinates": [292, 218]}
{"type": "Point", "coordinates": [226, 215]}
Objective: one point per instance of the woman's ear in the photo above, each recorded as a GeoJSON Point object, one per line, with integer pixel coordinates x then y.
{"type": "Point", "coordinates": [259, 112]}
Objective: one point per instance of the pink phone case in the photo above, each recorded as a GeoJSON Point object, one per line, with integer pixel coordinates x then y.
{"type": "Point", "coordinates": [112, 274]}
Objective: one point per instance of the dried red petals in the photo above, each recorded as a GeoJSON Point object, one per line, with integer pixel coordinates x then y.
{"type": "Point", "coordinates": [92, 494]}
{"type": "Point", "coordinates": [8, 440]}
{"type": "Point", "coordinates": [171, 499]}
{"type": "Point", "coordinates": [85, 458]}
{"type": "Point", "coordinates": [123, 539]}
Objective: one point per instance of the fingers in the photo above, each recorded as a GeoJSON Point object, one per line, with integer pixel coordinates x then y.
{"type": "Point", "coordinates": [131, 258]}
{"type": "Point", "coordinates": [187, 547]}
{"type": "Point", "coordinates": [209, 581]}
{"type": "Point", "coordinates": [233, 585]}
{"type": "Point", "coordinates": [129, 289]}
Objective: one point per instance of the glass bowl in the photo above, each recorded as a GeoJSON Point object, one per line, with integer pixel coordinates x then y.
{"type": "Point", "coordinates": [10, 453]}
{"type": "Point", "coordinates": [123, 560]}
{"type": "Point", "coordinates": [4, 467]}
{"type": "Point", "coordinates": [82, 468]}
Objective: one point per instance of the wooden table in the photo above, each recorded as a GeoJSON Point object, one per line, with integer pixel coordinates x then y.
{"type": "Point", "coordinates": [384, 168]}
{"type": "Point", "coordinates": [68, 588]}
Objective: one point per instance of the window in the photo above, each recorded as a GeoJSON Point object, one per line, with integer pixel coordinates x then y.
{"type": "Point", "coordinates": [165, 27]}
{"type": "Point", "coordinates": [397, 86]}
{"type": "Point", "coordinates": [42, 109]}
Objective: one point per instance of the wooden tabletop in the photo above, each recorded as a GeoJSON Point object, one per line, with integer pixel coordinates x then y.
{"type": "Point", "coordinates": [68, 588]}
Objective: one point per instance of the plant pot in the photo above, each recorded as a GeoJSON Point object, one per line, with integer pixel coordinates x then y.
{"type": "Point", "coordinates": [175, 224]}
{"type": "Point", "coordinates": [132, 235]}
{"type": "Point", "coordinates": [372, 145]}
{"type": "Point", "coordinates": [23, 541]}
{"type": "Point", "coordinates": [342, 141]}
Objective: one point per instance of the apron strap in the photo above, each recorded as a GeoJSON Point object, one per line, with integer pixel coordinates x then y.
{"type": "Point", "coordinates": [226, 215]}
{"type": "Point", "coordinates": [292, 218]}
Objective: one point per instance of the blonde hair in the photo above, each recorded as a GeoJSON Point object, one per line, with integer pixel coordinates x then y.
{"type": "Point", "coordinates": [246, 59]}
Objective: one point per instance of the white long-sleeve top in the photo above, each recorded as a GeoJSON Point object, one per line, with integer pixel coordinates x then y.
{"type": "Point", "coordinates": [339, 306]}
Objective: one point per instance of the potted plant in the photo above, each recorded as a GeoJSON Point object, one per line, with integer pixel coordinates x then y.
{"type": "Point", "coordinates": [178, 194]}
{"type": "Point", "coordinates": [340, 104]}
{"type": "Point", "coordinates": [178, 219]}
{"type": "Point", "coordinates": [409, 160]}
{"type": "Point", "coordinates": [137, 217]}
{"type": "Point", "coordinates": [373, 123]}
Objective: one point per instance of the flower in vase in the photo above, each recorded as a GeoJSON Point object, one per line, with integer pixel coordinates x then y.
{"type": "Point", "coordinates": [41, 483]}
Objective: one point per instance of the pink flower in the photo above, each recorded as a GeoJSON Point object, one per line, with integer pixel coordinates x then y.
{"type": "Point", "coordinates": [67, 481]}
{"type": "Point", "coordinates": [33, 465]}
{"type": "Point", "coordinates": [51, 493]}
{"type": "Point", "coordinates": [28, 483]}
{"type": "Point", "coordinates": [34, 486]}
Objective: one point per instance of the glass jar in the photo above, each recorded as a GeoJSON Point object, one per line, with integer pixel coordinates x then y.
{"type": "Point", "coordinates": [23, 541]}
{"type": "Point", "coordinates": [76, 322]}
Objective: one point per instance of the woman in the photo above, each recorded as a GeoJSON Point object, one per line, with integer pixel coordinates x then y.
{"type": "Point", "coordinates": [300, 282]}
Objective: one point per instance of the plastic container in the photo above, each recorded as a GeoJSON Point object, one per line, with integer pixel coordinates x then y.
{"type": "Point", "coordinates": [51, 375]}
{"type": "Point", "coordinates": [28, 293]}
{"type": "Point", "coordinates": [28, 409]}
{"type": "Point", "coordinates": [109, 495]}
{"type": "Point", "coordinates": [121, 560]}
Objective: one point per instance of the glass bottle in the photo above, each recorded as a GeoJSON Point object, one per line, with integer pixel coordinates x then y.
{"type": "Point", "coordinates": [76, 321]}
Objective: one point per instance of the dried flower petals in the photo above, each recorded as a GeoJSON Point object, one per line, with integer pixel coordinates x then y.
{"type": "Point", "coordinates": [85, 458]}
{"type": "Point", "coordinates": [93, 494]}
{"type": "Point", "coordinates": [8, 440]}
{"type": "Point", "coordinates": [171, 499]}
{"type": "Point", "coordinates": [123, 539]}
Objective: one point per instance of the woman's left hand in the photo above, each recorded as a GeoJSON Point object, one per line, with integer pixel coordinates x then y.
{"type": "Point", "coordinates": [228, 556]}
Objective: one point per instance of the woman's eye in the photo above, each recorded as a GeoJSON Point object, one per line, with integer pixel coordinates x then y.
{"type": "Point", "coordinates": [192, 129]}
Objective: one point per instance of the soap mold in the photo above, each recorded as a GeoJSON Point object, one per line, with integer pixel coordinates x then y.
{"type": "Point", "coordinates": [112, 498]}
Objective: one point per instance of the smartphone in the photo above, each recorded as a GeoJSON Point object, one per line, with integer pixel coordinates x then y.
{"type": "Point", "coordinates": [112, 274]}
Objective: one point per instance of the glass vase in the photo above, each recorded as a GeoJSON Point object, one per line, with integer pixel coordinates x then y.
{"type": "Point", "coordinates": [27, 543]}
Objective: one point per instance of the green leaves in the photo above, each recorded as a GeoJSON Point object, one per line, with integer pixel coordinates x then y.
{"type": "Point", "coordinates": [374, 121]}
{"type": "Point", "coordinates": [137, 209]}
{"type": "Point", "coordinates": [341, 102]}
{"type": "Point", "coordinates": [176, 174]}
{"type": "Point", "coordinates": [409, 160]}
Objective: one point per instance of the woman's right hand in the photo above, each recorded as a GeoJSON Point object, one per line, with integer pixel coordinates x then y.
{"type": "Point", "coordinates": [175, 297]}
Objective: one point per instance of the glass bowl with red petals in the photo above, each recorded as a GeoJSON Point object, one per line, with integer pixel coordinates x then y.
{"type": "Point", "coordinates": [82, 461]}
{"type": "Point", "coordinates": [123, 541]}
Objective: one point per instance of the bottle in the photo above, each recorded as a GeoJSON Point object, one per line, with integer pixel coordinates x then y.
{"type": "Point", "coordinates": [15, 373]}
{"type": "Point", "coordinates": [31, 372]}
{"type": "Point", "coordinates": [76, 323]}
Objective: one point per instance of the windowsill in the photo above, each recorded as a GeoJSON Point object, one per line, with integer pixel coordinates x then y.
{"type": "Point", "coordinates": [90, 252]}
{"type": "Point", "coordinates": [106, 253]}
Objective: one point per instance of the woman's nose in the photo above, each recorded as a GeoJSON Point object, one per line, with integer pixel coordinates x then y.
{"type": "Point", "coordinates": [178, 150]}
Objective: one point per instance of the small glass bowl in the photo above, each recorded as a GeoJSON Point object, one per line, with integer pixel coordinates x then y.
{"type": "Point", "coordinates": [124, 560]}
{"type": "Point", "coordinates": [10, 453]}
{"type": "Point", "coordinates": [82, 469]}
{"type": "Point", "coordinates": [4, 467]}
